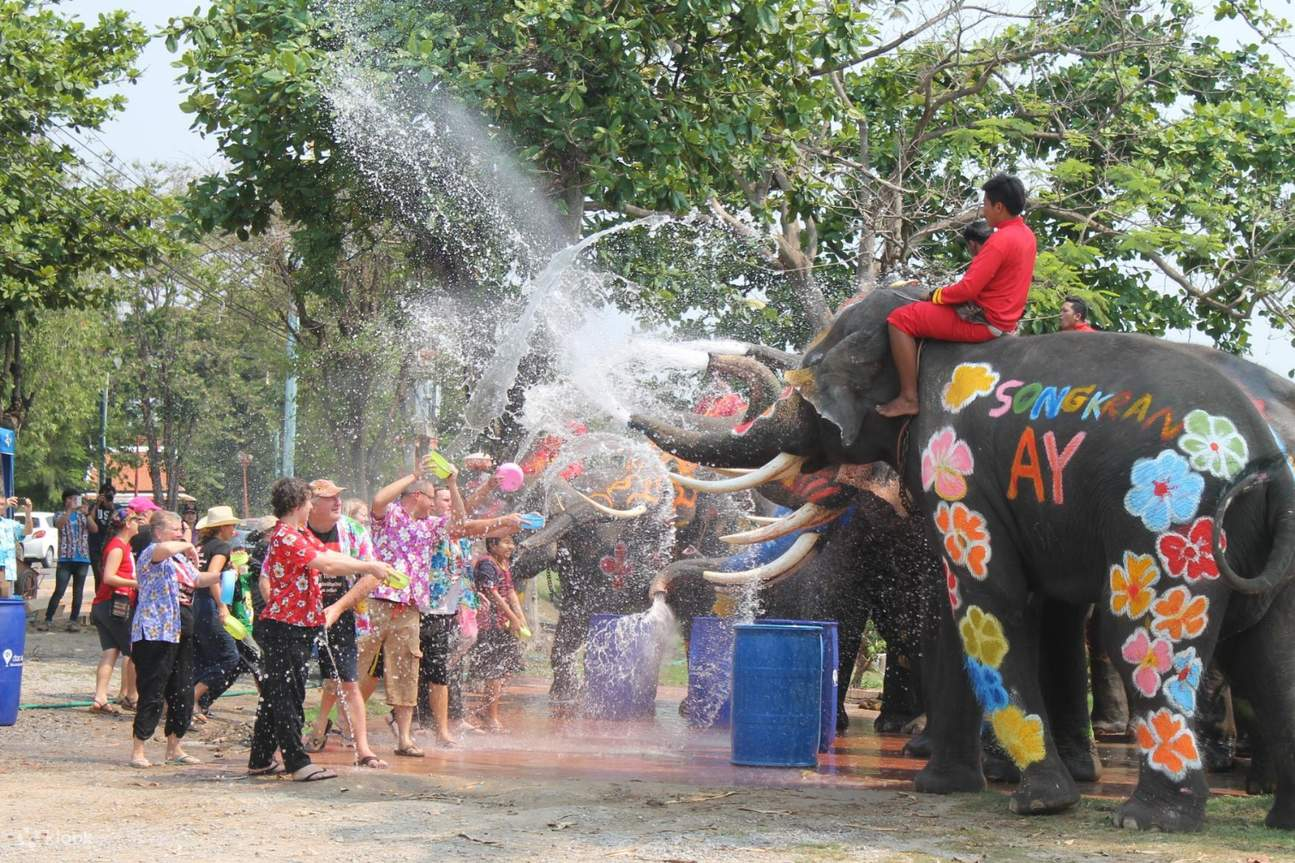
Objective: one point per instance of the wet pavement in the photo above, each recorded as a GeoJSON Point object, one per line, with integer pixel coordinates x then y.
{"type": "Point", "coordinates": [665, 749]}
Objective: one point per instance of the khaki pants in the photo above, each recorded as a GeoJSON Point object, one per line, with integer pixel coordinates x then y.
{"type": "Point", "coordinates": [393, 629]}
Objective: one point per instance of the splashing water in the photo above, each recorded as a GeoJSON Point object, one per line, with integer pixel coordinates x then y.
{"type": "Point", "coordinates": [623, 662]}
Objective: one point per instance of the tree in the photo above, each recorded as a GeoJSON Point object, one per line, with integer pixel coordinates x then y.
{"type": "Point", "coordinates": [54, 227]}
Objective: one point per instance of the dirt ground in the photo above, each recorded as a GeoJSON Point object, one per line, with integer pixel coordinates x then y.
{"type": "Point", "coordinates": [71, 797]}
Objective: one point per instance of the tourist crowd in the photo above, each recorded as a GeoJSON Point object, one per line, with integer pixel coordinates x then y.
{"type": "Point", "coordinates": [407, 590]}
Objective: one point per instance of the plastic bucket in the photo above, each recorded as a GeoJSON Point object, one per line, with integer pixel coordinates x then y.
{"type": "Point", "coordinates": [622, 660]}
{"type": "Point", "coordinates": [13, 640]}
{"type": "Point", "coordinates": [228, 581]}
{"type": "Point", "coordinates": [777, 687]}
{"type": "Point", "coordinates": [831, 662]}
{"type": "Point", "coordinates": [710, 672]}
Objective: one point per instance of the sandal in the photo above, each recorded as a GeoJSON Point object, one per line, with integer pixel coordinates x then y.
{"type": "Point", "coordinates": [105, 708]}
{"type": "Point", "coordinates": [182, 761]}
{"type": "Point", "coordinates": [372, 761]}
{"type": "Point", "coordinates": [315, 742]}
{"type": "Point", "coordinates": [411, 751]}
{"type": "Point", "coordinates": [275, 769]}
{"type": "Point", "coordinates": [313, 773]}
{"type": "Point", "coordinates": [128, 704]}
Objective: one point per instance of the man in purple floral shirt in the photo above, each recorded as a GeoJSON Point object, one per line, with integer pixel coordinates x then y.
{"type": "Point", "coordinates": [406, 532]}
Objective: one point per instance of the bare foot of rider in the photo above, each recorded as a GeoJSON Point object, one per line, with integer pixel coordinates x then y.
{"type": "Point", "coordinates": [900, 406]}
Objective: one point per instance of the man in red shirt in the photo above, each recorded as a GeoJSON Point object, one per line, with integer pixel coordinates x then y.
{"type": "Point", "coordinates": [986, 303]}
{"type": "Point", "coordinates": [1074, 316]}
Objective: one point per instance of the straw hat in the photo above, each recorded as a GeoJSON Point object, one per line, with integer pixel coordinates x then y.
{"type": "Point", "coordinates": [217, 516]}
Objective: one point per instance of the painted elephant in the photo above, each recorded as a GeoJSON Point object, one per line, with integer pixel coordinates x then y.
{"type": "Point", "coordinates": [1044, 467]}
{"type": "Point", "coordinates": [867, 563]}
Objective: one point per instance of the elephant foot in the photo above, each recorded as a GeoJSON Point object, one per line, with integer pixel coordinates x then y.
{"type": "Point", "coordinates": [1259, 778]}
{"type": "Point", "coordinates": [1281, 816]}
{"type": "Point", "coordinates": [955, 779]}
{"type": "Point", "coordinates": [1111, 729]}
{"type": "Point", "coordinates": [1082, 761]}
{"type": "Point", "coordinates": [917, 746]}
{"type": "Point", "coordinates": [1216, 754]}
{"type": "Point", "coordinates": [1043, 792]}
{"type": "Point", "coordinates": [891, 723]}
{"type": "Point", "coordinates": [1138, 813]}
{"type": "Point", "coordinates": [842, 720]}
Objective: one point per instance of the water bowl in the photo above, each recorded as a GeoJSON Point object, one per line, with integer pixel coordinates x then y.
{"type": "Point", "coordinates": [532, 521]}
{"type": "Point", "coordinates": [228, 581]}
{"type": "Point", "coordinates": [396, 580]}
{"type": "Point", "coordinates": [509, 476]}
{"type": "Point", "coordinates": [438, 464]}
{"type": "Point", "coordinates": [235, 628]}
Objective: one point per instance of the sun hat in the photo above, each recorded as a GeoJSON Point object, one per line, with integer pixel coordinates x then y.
{"type": "Point", "coordinates": [139, 503]}
{"type": "Point", "coordinates": [325, 488]}
{"type": "Point", "coordinates": [217, 516]}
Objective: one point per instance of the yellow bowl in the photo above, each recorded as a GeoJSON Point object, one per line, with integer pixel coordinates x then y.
{"type": "Point", "coordinates": [438, 464]}
{"type": "Point", "coordinates": [235, 628]}
{"type": "Point", "coordinates": [396, 580]}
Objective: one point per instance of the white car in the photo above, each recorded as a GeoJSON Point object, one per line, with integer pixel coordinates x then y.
{"type": "Point", "coordinates": [40, 539]}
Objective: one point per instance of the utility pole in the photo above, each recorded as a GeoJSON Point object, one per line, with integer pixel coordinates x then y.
{"type": "Point", "coordinates": [245, 460]}
{"type": "Point", "coordinates": [103, 431]}
{"type": "Point", "coordinates": [290, 401]}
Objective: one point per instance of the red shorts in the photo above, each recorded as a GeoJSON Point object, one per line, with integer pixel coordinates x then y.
{"type": "Point", "coordinates": [923, 320]}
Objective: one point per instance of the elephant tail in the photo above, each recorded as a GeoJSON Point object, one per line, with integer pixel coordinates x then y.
{"type": "Point", "coordinates": [1281, 560]}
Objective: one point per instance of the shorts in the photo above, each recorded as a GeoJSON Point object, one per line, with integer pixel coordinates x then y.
{"type": "Point", "coordinates": [497, 654]}
{"type": "Point", "coordinates": [114, 632]}
{"type": "Point", "coordinates": [434, 640]}
{"type": "Point", "coordinates": [393, 629]}
{"type": "Point", "coordinates": [926, 320]}
{"type": "Point", "coordinates": [340, 660]}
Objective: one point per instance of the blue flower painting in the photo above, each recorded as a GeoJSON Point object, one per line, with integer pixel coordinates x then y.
{"type": "Point", "coordinates": [1165, 491]}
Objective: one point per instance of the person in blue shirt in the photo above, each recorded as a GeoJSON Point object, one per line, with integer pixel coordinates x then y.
{"type": "Point", "coordinates": [11, 534]}
{"type": "Point", "coordinates": [74, 529]}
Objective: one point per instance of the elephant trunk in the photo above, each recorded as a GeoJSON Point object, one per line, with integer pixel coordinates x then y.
{"type": "Point", "coordinates": [762, 384]}
{"type": "Point", "coordinates": [789, 429]}
{"type": "Point", "coordinates": [688, 567]}
{"type": "Point", "coordinates": [554, 530]}
{"type": "Point", "coordinates": [1281, 559]}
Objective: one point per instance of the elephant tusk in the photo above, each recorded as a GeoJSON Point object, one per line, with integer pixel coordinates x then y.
{"type": "Point", "coordinates": [772, 570]}
{"type": "Point", "coordinates": [614, 513]}
{"type": "Point", "coordinates": [778, 467]}
{"type": "Point", "coordinates": [762, 519]}
{"type": "Point", "coordinates": [732, 471]}
{"type": "Point", "coordinates": [809, 515]}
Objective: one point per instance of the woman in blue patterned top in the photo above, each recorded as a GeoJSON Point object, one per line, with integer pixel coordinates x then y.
{"type": "Point", "coordinates": [162, 637]}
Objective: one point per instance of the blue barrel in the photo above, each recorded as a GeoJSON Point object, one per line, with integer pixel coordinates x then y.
{"type": "Point", "coordinates": [622, 661]}
{"type": "Point", "coordinates": [831, 662]}
{"type": "Point", "coordinates": [777, 684]}
{"type": "Point", "coordinates": [710, 672]}
{"type": "Point", "coordinates": [13, 640]}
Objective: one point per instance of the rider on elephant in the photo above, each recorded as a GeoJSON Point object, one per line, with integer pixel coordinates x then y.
{"type": "Point", "coordinates": [986, 303]}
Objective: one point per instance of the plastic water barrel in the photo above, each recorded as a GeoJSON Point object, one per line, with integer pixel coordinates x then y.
{"type": "Point", "coordinates": [777, 685]}
{"type": "Point", "coordinates": [710, 672]}
{"type": "Point", "coordinates": [13, 640]}
{"type": "Point", "coordinates": [621, 667]}
{"type": "Point", "coordinates": [831, 662]}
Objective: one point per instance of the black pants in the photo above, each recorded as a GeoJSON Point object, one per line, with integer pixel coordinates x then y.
{"type": "Point", "coordinates": [164, 671]}
{"type": "Point", "coordinates": [280, 713]}
{"type": "Point", "coordinates": [434, 633]}
{"type": "Point", "coordinates": [75, 573]}
{"type": "Point", "coordinates": [216, 660]}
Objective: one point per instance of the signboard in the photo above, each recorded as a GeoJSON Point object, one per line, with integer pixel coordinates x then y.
{"type": "Point", "coordinates": [7, 441]}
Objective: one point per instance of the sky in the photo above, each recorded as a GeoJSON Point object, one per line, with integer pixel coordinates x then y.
{"type": "Point", "coordinates": [154, 129]}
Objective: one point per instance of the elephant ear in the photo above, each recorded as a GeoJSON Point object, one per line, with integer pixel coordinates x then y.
{"type": "Point", "coordinates": [839, 380]}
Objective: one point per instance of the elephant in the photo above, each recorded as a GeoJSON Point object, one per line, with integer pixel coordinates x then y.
{"type": "Point", "coordinates": [869, 563]}
{"type": "Point", "coordinates": [1045, 469]}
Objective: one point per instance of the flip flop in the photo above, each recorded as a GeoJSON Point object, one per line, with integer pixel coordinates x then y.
{"type": "Point", "coordinates": [275, 769]}
{"type": "Point", "coordinates": [313, 773]}
{"type": "Point", "coordinates": [314, 742]}
{"type": "Point", "coordinates": [127, 704]}
{"type": "Point", "coordinates": [105, 708]}
{"type": "Point", "coordinates": [410, 752]}
{"type": "Point", "coordinates": [182, 760]}
{"type": "Point", "coordinates": [372, 761]}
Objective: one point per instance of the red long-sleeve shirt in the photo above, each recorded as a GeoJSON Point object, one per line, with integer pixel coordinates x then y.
{"type": "Point", "coordinates": [999, 277]}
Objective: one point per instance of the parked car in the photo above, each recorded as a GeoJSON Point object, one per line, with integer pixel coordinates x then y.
{"type": "Point", "coordinates": [40, 539]}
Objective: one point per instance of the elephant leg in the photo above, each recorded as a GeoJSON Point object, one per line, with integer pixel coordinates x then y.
{"type": "Point", "coordinates": [568, 635]}
{"type": "Point", "coordinates": [1216, 729]}
{"type": "Point", "coordinates": [851, 635]}
{"type": "Point", "coordinates": [1065, 664]}
{"type": "Point", "coordinates": [1110, 716]}
{"type": "Point", "coordinates": [1165, 664]}
{"type": "Point", "coordinates": [898, 699]}
{"type": "Point", "coordinates": [952, 717]}
{"type": "Point", "coordinates": [1264, 671]}
{"type": "Point", "coordinates": [999, 629]}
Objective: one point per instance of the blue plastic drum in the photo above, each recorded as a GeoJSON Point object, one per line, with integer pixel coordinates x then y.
{"type": "Point", "coordinates": [13, 640]}
{"type": "Point", "coordinates": [622, 661]}
{"type": "Point", "coordinates": [777, 686]}
{"type": "Point", "coordinates": [831, 662]}
{"type": "Point", "coordinates": [710, 672]}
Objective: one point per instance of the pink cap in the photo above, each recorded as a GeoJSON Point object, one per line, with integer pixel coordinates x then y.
{"type": "Point", "coordinates": [140, 503]}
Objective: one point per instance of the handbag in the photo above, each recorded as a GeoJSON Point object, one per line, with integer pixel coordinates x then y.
{"type": "Point", "coordinates": [120, 609]}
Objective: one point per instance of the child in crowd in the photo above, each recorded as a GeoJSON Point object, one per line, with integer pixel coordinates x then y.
{"type": "Point", "coordinates": [500, 621]}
